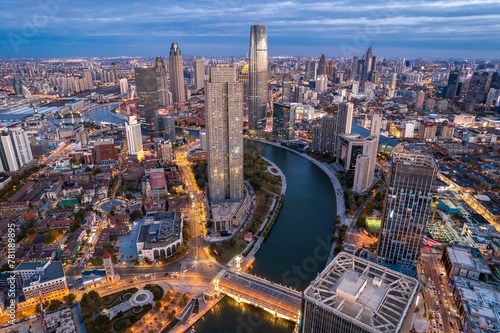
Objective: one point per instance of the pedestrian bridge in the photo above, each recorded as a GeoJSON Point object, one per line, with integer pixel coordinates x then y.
{"type": "Point", "coordinates": [279, 300]}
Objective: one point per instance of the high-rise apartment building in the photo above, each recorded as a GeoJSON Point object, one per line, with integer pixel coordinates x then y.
{"type": "Point", "coordinates": [199, 73]}
{"type": "Point", "coordinates": [321, 83]}
{"type": "Point", "coordinates": [324, 134]}
{"type": "Point", "coordinates": [354, 295]}
{"type": "Point", "coordinates": [87, 76]}
{"type": "Point", "coordinates": [364, 174]}
{"type": "Point", "coordinates": [134, 137]}
{"type": "Point", "coordinates": [257, 78]}
{"type": "Point", "coordinates": [394, 79]}
{"type": "Point", "coordinates": [406, 208]}
{"type": "Point", "coordinates": [124, 87]}
{"type": "Point", "coordinates": [15, 150]}
{"type": "Point", "coordinates": [176, 74]}
{"type": "Point", "coordinates": [419, 104]}
{"type": "Point", "coordinates": [224, 124]}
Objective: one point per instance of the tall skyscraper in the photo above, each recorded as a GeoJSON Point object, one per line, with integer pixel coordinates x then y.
{"type": "Point", "coordinates": [287, 89]}
{"type": "Point", "coordinates": [367, 67]}
{"type": "Point", "coordinates": [166, 126]}
{"type": "Point", "coordinates": [283, 121]}
{"type": "Point", "coordinates": [366, 162]}
{"type": "Point", "coordinates": [453, 82]}
{"type": "Point", "coordinates": [406, 208]}
{"type": "Point", "coordinates": [324, 134]}
{"type": "Point", "coordinates": [17, 84]}
{"type": "Point", "coordinates": [224, 123]}
{"type": "Point", "coordinates": [322, 69]}
{"type": "Point", "coordinates": [199, 73]}
{"type": "Point", "coordinates": [479, 86]}
{"type": "Point", "coordinates": [394, 78]}
{"type": "Point", "coordinates": [87, 75]}
{"type": "Point", "coordinates": [148, 102]}
{"type": "Point", "coordinates": [15, 150]}
{"type": "Point", "coordinates": [354, 69]}
{"type": "Point", "coordinates": [419, 105]}
{"type": "Point", "coordinates": [321, 83]}
{"type": "Point", "coordinates": [176, 74]}
{"type": "Point", "coordinates": [114, 71]}
{"type": "Point", "coordinates": [134, 137]}
{"type": "Point", "coordinates": [354, 295]}
{"type": "Point", "coordinates": [311, 70]}
{"type": "Point", "coordinates": [258, 76]}
{"type": "Point", "coordinates": [346, 111]}
{"type": "Point", "coordinates": [124, 86]}
{"type": "Point", "coordinates": [164, 96]}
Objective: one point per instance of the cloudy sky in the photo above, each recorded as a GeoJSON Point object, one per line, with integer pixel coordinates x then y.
{"type": "Point", "coordinates": [397, 28]}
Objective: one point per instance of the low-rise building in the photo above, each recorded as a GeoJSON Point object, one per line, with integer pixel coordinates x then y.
{"type": "Point", "coordinates": [161, 236]}
{"type": "Point", "coordinates": [42, 279]}
{"type": "Point", "coordinates": [478, 305]}
{"type": "Point", "coordinates": [465, 262]}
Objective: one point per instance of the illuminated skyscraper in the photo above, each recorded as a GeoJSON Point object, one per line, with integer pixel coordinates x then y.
{"type": "Point", "coordinates": [287, 89]}
{"type": "Point", "coordinates": [15, 150]}
{"type": "Point", "coordinates": [224, 122]}
{"type": "Point", "coordinates": [134, 137]}
{"type": "Point", "coordinates": [164, 96]}
{"type": "Point", "coordinates": [147, 94]}
{"type": "Point", "coordinates": [176, 74]}
{"type": "Point", "coordinates": [258, 76]}
{"type": "Point", "coordinates": [406, 208]}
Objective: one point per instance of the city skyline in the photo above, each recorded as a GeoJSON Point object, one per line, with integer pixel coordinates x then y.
{"type": "Point", "coordinates": [396, 29]}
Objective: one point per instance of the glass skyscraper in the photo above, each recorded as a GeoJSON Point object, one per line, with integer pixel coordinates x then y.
{"type": "Point", "coordinates": [258, 76]}
{"type": "Point", "coordinates": [406, 209]}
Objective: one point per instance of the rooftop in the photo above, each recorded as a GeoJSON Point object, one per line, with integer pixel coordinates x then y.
{"type": "Point", "coordinates": [164, 229]}
{"type": "Point", "coordinates": [53, 270]}
{"type": "Point", "coordinates": [467, 257]}
{"type": "Point", "coordinates": [372, 296]}
{"type": "Point", "coordinates": [481, 303]}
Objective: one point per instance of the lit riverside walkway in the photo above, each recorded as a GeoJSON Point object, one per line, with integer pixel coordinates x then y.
{"type": "Point", "coordinates": [281, 301]}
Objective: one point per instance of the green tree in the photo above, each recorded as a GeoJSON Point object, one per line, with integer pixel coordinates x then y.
{"type": "Point", "coordinates": [69, 299]}
{"type": "Point", "coordinates": [97, 262]}
{"type": "Point", "coordinates": [54, 305]}
{"type": "Point", "coordinates": [52, 236]}
{"type": "Point", "coordinates": [96, 171]}
{"type": "Point", "coordinates": [135, 214]}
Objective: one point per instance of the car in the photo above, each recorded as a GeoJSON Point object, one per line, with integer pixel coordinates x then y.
{"type": "Point", "coordinates": [82, 288]}
{"type": "Point", "coordinates": [79, 280]}
{"type": "Point", "coordinates": [109, 288]}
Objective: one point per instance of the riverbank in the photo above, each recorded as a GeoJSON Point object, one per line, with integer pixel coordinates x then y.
{"type": "Point", "coordinates": [339, 191]}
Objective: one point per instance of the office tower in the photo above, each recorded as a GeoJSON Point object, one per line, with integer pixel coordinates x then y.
{"type": "Point", "coordinates": [419, 105]}
{"type": "Point", "coordinates": [331, 69]}
{"type": "Point", "coordinates": [299, 94]}
{"type": "Point", "coordinates": [394, 78]}
{"type": "Point", "coordinates": [287, 89]}
{"type": "Point", "coordinates": [349, 147]}
{"type": "Point", "coordinates": [324, 135]}
{"type": "Point", "coordinates": [479, 86]}
{"type": "Point", "coordinates": [354, 69]}
{"type": "Point", "coordinates": [15, 150]}
{"type": "Point", "coordinates": [134, 136]}
{"type": "Point", "coordinates": [164, 96]}
{"type": "Point", "coordinates": [224, 118]}
{"type": "Point", "coordinates": [367, 67]}
{"type": "Point", "coordinates": [166, 126]}
{"type": "Point", "coordinates": [199, 73]}
{"type": "Point", "coordinates": [374, 76]}
{"type": "Point", "coordinates": [322, 69]}
{"type": "Point", "coordinates": [453, 83]}
{"type": "Point", "coordinates": [176, 74]}
{"type": "Point", "coordinates": [355, 88]}
{"type": "Point", "coordinates": [105, 151]}
{"type": "Point", "coordinates": [243, 77]}
{"type": "Point", "coordinates": [124, 87]}
{"type": "Point", "coordinates": [203, 140]}
{"type": "Point", "coordinates": [283, 121]}
{"type": "Point", "coordinates": [493, 96]}
{"type": "Point", "coordinates": [17, 84]}
{"type": "Point", "coordinates": [406, 208]}
{"type": "Point", "coordinates": [147, 94]}
{"type": "Point", "coordinates": [311, 70]}
{"type": "Point", "coordinates": [114, 71]}
{"type": "Point", "coordinates": [257, 80]}
{"type": "Point", "coordinates": [376, 124]}
{"type": "Point", "coordinates": [354, 295]}
{"type": "Point", "coordinates": [321, 83]}
{"type": "Point", "coordinates": [87, 75]}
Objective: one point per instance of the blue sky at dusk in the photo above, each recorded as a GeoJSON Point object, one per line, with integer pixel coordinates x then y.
{"type": "Point", "coordinates": [63, 28]}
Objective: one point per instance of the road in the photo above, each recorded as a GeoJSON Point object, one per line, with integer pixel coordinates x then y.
{"type": "Point", "coordinates": [437, 294]}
